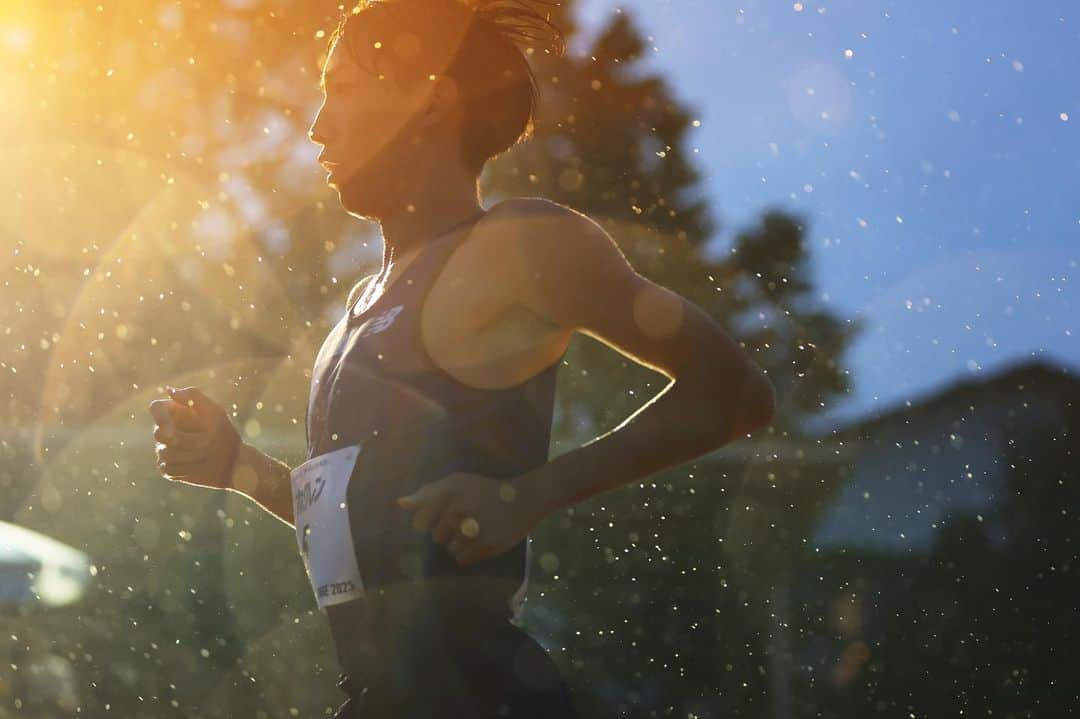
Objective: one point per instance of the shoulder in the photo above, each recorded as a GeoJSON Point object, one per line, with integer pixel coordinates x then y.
{"type": "Point", "coordinates": [530, 210]}
{"type": "Point", "coordinates": [549, 239]}
{"type": "Point", "coordinates": [544, 233]}
{"type": "Point", "coordinates": [557, 261]}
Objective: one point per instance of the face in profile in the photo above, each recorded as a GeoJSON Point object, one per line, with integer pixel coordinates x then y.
{"type": "Point", "coordinates": [363, 125]}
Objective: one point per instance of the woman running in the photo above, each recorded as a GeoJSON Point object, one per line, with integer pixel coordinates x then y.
{"type": "Point", "coordinates": [431, 400]}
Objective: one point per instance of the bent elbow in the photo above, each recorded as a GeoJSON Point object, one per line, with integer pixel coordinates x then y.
{"type": "Point", "coordinates": [768, 413]}
{"type": "Point", "coordinates": [757, 405]}
{"type": "Point", "coordinates": [732, 410]}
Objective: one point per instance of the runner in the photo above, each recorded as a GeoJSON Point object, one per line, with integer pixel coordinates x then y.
{"type": "Point", "coordinates": [429, 416]}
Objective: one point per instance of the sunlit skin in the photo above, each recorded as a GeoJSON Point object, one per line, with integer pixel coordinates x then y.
{"type": "Point", "coordinates": [537, 272]}
{"type": "Point", "coordinates": [391, 151]}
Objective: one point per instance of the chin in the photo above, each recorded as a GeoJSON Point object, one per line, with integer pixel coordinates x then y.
{"type": "Point", "coordinates": [357, 200]}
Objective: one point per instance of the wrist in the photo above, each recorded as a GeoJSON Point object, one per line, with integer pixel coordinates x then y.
{"type": "Point", "coordinates": [231, 454]}
{"type": "Point", "coordinates": [250, 468]}
{"type": "Point", "coordinates": [534, 496]}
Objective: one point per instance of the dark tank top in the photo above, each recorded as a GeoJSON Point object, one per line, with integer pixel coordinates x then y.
{"type": "Point", "coordinates": [374, 383]}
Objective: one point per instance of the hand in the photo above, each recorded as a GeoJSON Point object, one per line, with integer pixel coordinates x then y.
{"type": "Point", "coordinates": [480, 517]}
{"type": "Point", "coordinates": [196, 441]}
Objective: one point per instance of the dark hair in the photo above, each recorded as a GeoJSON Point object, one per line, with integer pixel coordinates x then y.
{"type": "Point", "coordinates": [479, 44]}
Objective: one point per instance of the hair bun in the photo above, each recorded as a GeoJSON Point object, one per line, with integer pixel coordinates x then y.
{"type": "Point", "coordinates": [521, 20]}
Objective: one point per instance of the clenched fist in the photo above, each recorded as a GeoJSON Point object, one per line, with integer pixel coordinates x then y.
{"type": "Point", "coordinates": [196, 441]}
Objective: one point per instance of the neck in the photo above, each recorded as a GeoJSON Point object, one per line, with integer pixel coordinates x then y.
{"type": "Point", "coordinates": [426, 215]}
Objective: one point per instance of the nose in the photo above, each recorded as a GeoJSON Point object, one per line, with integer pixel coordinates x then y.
{"type": "Point", "coordinates": [317, 131]}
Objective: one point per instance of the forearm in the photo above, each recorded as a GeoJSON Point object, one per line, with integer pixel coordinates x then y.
{"type": "Point", "coordinates": [264, 480]}
{"type": "Point", "coordinates": [675, 427]}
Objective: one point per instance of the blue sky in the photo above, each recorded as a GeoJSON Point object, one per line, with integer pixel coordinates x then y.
{"type": "Point", "coordinates": [937, 165]}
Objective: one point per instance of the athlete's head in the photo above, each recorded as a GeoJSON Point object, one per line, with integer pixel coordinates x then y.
{"type": "Point", "coordinates": [423, 91]}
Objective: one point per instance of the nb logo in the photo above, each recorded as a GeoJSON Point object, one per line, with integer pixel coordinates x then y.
{"type": "Point", "coordinates": [381, 321]}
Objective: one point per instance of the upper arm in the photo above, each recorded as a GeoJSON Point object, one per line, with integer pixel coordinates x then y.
{"type": "Point", "coordinates": [572, 274]}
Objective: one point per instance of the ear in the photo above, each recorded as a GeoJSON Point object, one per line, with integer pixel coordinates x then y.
{"type": "Point", "coordinates": [441, 101]}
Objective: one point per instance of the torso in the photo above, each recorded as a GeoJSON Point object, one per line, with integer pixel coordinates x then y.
{"type": "Point", "coordinates": [473, 323]}
{"type": "Point", "coordinates": [441, 370]}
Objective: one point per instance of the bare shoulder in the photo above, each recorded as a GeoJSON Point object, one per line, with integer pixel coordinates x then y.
{"type": "Point", "coordinates": [548, 228]}
{"type": "Point", "coordinates": [547, 252]}
{"type": "Point", "coordinates": [477, 324]}
{"type": "Point", "coordinates": [525, 214]}
{"type": "Point", "coordinates": [535, 240]}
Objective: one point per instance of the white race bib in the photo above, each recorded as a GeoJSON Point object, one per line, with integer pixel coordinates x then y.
{"type": "Point", "coordinates": [322, 525]}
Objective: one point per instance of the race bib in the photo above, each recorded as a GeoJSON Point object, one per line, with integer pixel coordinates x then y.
{"type": "Point", "coordinates": [322, 525]}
